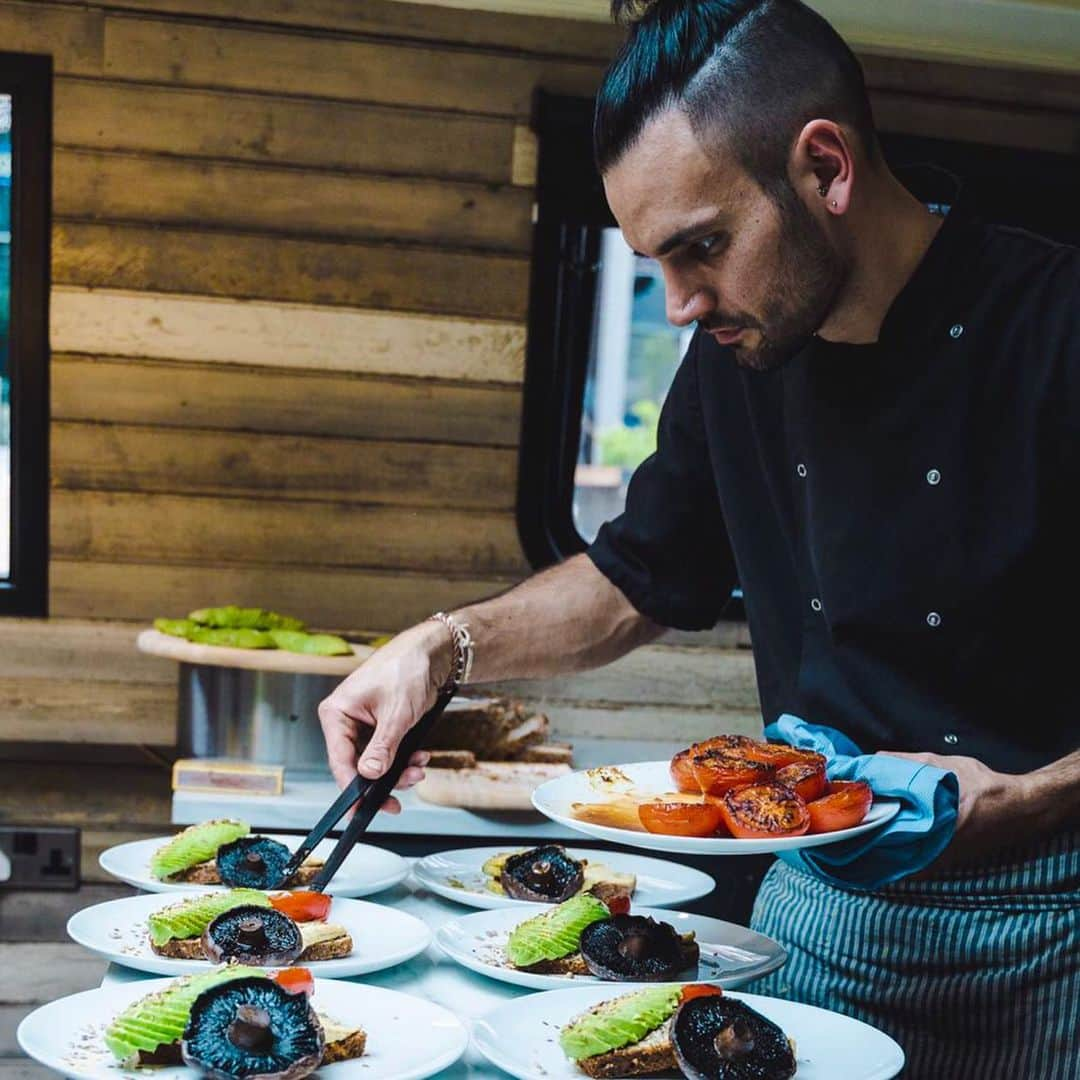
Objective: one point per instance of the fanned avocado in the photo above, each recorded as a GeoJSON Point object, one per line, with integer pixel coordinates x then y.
{"type": "Point", "coordinates": [194, 845]}
{"type": "Point", "coordinates": [160, 1019]}
{"type": "Point", "coordinates": [555, 933]}
{"type": "Point", "coordinates": [232, 617]}
{"type": "Point", "coordinates": [619, 1022]}
{"type": "Point", "coordinates": [232, 639]}
{"type": "Point", "coordinates": [180, 628]}
{"type": "Point", "coordinates": [310, 644]}
{"type": "Point", "coordinates": [191, 917]}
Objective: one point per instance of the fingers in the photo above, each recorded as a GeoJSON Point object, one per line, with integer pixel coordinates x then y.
{"type": "Point", "coordinates": [391, 806]}
{"type": "Point", "coordinates": [380, 751]}
{"type": "Point", "coordinates": [410, 777]}
{"type": "Point", "coordinates": [340, 749]}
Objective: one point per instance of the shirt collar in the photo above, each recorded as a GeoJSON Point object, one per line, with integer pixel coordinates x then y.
{"type": "Point", "coordinates": [931, 297]}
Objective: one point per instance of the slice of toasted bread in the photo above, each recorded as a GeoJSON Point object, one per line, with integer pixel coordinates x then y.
{"type": "Point", "coordinates": [322, 941]}
{"type": "Point", "coordinates": [206, 873]}
{"type": "Point", "coordinates": [647, 1057]}
{"type": "Point", "coordinates": [343, 1043]}
{"type": "Point", "coordinates": [574, 964]}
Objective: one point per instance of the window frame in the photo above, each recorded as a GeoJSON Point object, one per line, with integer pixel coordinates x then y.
{"type": "Point", "coordinates": [28, 79]}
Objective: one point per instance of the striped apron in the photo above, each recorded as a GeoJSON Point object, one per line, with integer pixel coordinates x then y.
{"type": "Point", "coordinates": [975, 971]}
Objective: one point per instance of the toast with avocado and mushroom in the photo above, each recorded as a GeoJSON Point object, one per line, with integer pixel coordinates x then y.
{"type": "Point", "coordinates": [198, 928]}
{"type": "Point", "coordinates": [150, 1030]}
{"type": "Point", "coordinates": [549, 874]}
{"type": "Point", "coordinates": [584, 936]}
{"type": "Point", "coordinates": [191, 857]}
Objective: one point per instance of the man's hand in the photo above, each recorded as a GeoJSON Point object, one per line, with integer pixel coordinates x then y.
{"type": "Point", "coordinates": [383, 699]}
{"type": "Point", "coordinates": [996, 809]}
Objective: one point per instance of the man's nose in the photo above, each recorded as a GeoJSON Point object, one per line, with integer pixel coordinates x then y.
{"type": "Point", "coordinates": [686, 302]}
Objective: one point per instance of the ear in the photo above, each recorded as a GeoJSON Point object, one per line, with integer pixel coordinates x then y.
{"type": "Point", "coordinates": [823, 161]}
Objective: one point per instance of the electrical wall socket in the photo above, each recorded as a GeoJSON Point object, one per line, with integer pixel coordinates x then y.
{"type": "Point", "coordinates": [39, 857]}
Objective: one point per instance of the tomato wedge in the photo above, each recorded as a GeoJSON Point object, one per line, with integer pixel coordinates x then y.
{"type": "Point", "coordinates": [296, 980]}
{"type": "Point", "coordinates": [673, 816]}
{"type": "Point", "coordinates": [843, 806]}
{"type": "Point", "coordinates": [696, 990]}
{"type": "Point", "coordinates": [764, 811]}
{"type": "Point", "coordinates": [302, 906]}
{"type": "Point", "coordinates": [805, 778]}
{"type": "Point", "coordinates": [682, 764]}
{"type": "Point", "coordinates": [717, 771]}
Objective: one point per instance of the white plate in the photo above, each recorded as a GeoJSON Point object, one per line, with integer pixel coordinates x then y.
{"type": "Point", "coordinates": [117, 930]}
{"type": "Point", "coordinates": [408, 1038]}
{"type": "Point", "coordinates": [366, 869]}
{"type": "Point", "coordinates": [522, 1037]}
{"type": "Point", "coordinates": [730, 955]}
{"type": "Point", "coordinates": [457, 875]}
{"type": "Point", "coordinates": [556, 797]}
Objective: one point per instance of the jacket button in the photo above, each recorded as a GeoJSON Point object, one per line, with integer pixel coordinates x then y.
{"type": "Point", "coordinates": [951, 739]}
{"type": "Point", "coordinates": [815, 604]}
{"type": "Point", "coordinates": [800, 469]}
{"type": "Point", "coordinates": [933, 477]}
{"type": "Point", "coordinates": [956, 330]}
{"type": "Point", "coordinates": [933, 619]}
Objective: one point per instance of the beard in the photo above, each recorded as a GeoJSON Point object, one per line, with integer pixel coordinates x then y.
{"type": "Point", "coordinates": [809, 274]}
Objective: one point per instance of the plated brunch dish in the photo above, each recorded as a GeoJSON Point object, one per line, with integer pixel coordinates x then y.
{"type": "Point", "coordinates": [494, 877]}
{"type": "Point", "coordinates": [696, 1031]}
{"type": "Point", "coordinates": [189, 933]}
{"type": "Point", "coordinates": [589, 939]}
{"type": "Point", "coordinates": [225, 854]}
{"type": "Point", "coordinates": [730, 794]}
{"type": "Point", "coordinates": [239, 1021]}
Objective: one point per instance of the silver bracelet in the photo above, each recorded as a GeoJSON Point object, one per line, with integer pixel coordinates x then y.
{"type": "Point", "coordinates": [461, 660]}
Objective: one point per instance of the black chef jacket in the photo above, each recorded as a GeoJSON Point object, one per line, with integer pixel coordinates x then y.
{"type": "Point", "coordinates": [901, 516]}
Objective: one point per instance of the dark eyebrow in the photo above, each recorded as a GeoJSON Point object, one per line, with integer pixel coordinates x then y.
{"type": "Point", "coordinates": [685, 236]}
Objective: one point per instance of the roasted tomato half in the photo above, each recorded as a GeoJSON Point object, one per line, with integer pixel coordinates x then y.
{"type": "Point", "coordinates": [696, 990]}
{"type": "Point", "coordinates": [764, 811]}
{"type": "Point", "coordinates": [302, 906]}
{"type": "Point", "coordinates": [682, 764]}
{"type": "Point", "coordinates": [843, 806]}
{"type": "Point", "coordinates": [296, 980]}
{"type": "Point", "coordinates": [717, 771]}
{"type": "Point", "coordinates": [687, 816]}
{"type": "Point", "coordinates": [780, 755]}
{"type": "Point", "coordinates": [805, 778]}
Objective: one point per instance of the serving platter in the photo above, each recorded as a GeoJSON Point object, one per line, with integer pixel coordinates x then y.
{"type": "Point", "coordinates": [521, 1036]}
{"type": "Point", "coordinates": [556, 800]}
{"type": "Point", "coordinates": [366, 869]}
{"type": "Point", "coordinates": [382, 936]}
{"type": "Point", "coordinates": [731, 955]}
{"type": "Point", "coordinates": [458, 875]}
{"type": "Point", "coordinates": [408, 1038]}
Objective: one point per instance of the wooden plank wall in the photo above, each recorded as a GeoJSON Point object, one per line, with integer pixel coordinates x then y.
{"type": "Point", "coordinates": [290, 265]}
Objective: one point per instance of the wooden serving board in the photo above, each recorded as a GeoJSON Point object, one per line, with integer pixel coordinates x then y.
{"type": "Point", "coordinates": [492, 785]}
{"type": "Point", "coordinates": [187, 652]}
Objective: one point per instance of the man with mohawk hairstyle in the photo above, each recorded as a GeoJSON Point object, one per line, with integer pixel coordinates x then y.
{"type": "Point", "coordinates": [876, 431]}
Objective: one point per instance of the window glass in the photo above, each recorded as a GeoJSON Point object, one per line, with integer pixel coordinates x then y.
{"type": "Point", "coordinates": [633, 355]}
{"type": "Point", "coordinates": [5, 319]}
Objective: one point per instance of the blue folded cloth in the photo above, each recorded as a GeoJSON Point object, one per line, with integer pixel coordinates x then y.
{"type": "Point", "coordinates": [907, 843]}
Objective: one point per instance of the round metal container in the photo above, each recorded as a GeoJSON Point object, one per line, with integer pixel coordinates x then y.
{"type": "Point", "coordinates": [269, 717]}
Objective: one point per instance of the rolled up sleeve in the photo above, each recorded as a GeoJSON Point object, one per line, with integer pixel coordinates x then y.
{"type": "Point", "coordinates": [668, 552]}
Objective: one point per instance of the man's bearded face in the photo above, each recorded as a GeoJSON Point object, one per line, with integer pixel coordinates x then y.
{"type": "Point", "coordinates": [756, 271]}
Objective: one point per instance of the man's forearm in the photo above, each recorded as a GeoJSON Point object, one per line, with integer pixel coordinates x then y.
{"type": "Point", "coordinates": [1052, 794]}
{"type": "Point", "coordinates": [566, 618]}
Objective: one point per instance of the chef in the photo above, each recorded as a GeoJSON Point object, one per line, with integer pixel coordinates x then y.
{"type": "Point", "coordinates": [876, 432]}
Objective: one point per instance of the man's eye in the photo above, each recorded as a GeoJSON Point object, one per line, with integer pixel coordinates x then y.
{"type": "Point", "coordinates": [707, 245]}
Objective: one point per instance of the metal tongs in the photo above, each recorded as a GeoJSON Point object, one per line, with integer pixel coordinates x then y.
{"type": "Point", "coordinates": [371, 794]}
